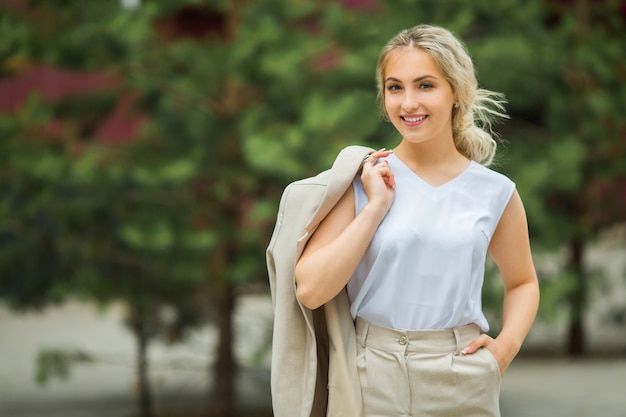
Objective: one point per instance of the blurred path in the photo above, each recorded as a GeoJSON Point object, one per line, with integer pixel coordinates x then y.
{"type": "Point", "coordinates": [564, 388]}
{"type": "Point", "coordinates": [106, 388]}
{"type": "Point", "coordinates": [531, 388]}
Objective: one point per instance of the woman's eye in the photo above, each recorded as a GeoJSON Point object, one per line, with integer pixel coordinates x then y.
{"type": "Point", "coordinates": [426, 86]}
{"type": "Point", "coordinates": [393, 87]}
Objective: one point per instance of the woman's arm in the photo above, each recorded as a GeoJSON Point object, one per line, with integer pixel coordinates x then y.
{"type": "Point", "coordinates": [335, 249]}
{"type": "Point", "coordinates": [510, 249]}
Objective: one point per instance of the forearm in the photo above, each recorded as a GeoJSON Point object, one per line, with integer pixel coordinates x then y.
{"type": "Point", "coordinates": [323, 273]}
{"type": "Point", "coordinates": [519, 310]}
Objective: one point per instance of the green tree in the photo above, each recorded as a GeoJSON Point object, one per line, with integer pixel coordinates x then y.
{"type": "Point", "coordinates": [87, 220]}
{"type": "Point", "coordinates": [564, 143]}
{"type": "Point", "coordinates": [246, 101]}
{"type": "Point", "coordinates": [234, 111]}
{"type": "Point", "coordinates": [583, 114]}
{"type": "Point", "coordinates": [242, 97]}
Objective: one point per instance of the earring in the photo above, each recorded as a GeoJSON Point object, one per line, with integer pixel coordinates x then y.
{"type": "Point", "coordinates": [456, 105]}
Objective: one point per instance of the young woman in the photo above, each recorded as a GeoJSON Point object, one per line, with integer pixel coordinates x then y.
{"type": "Point", "coordinates": [410, 238]}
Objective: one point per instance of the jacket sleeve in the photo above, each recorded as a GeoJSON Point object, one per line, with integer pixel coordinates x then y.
{"type": "Point", "coordinates": [294, 366]}
{"type": "Point", "coordinates": [300, 344]}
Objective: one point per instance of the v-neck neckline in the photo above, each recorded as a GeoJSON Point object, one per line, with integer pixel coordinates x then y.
{"type": "Point", "coordinates": [428, 186]}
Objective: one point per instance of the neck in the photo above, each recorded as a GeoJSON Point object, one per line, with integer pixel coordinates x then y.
{"type": "Point", "coordinates": [435, 165]}
{"type": "Point", "coordinates": [429, 154]}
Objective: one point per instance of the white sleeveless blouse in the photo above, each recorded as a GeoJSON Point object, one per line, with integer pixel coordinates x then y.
{"type": "Point", "coordinates": [424, 268]}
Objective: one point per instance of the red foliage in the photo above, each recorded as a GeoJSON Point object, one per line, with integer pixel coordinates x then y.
{"type": "Point", "coordinates": [327, 60]}
{"type": "Point", "coordinates": [50, 84]}
{"type": "Point", "coordinates": [53, 84]}
{"type": "Point", "coordinates": [123, 123]}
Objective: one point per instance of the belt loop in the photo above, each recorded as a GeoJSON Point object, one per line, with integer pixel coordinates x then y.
{"type": "Point", "coordinates": [457, 340]}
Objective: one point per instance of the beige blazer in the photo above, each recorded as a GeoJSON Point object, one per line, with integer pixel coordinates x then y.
{"type": "Point", "coordinates": [313, 370]}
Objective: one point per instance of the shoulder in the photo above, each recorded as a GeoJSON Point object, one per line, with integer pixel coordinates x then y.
{"type": "Point", "coordinates": [492, 187]}
{"type": "Point", "coordinates": [490, 176]}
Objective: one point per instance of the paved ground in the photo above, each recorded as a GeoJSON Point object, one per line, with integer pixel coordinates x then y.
{"type": "Point", "coordinates": [563, 388]}
{"type": "Point", "coordinates": [531, 388]}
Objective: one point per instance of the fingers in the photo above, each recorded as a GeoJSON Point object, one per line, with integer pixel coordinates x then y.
{"type": "Point", "coordinates": [378, 181]}
{"type": "Point", "coordinates": [481, 341]}
{"type": "Point", "coordinates": [372, 159]}
{"type": "Point", "coordinates": [387, 175]}
{"type": "Point", "coordinates": [372, 168]}
{"type": "Point", "coordinates": [492, 345]}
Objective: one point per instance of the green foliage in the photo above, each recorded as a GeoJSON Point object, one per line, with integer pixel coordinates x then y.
{"type": "Point", "coordinates": [267, 95]}
{"type": "Point", "coordinates": [555, 291]}
{"type": "Point", "coordinates": [57, 363]}
{"type": "Point", "coordinates": [28, 259]}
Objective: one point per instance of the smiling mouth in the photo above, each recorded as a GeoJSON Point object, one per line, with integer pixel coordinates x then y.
{"type": "Point", "coordinates": [413, 119]}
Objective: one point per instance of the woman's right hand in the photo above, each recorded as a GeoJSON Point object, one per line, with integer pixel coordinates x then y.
{"type": "Point", "coordinates": [378, 181]}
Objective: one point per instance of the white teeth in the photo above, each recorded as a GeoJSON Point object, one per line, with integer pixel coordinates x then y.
{"type": "Point", "coordinates": [414, 119]}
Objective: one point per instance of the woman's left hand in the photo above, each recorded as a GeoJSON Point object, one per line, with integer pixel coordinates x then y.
{"type": "Point", "coordinates": [503, 352]}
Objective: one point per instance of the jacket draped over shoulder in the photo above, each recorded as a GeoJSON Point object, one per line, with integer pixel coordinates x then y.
{"type": "Point", "coordinates": [313, 371]}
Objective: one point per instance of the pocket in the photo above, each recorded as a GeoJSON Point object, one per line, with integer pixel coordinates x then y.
{"type": "Point", "coordinates": [477, 378]}
{"type": "Point", "coordinates": [492, 360]}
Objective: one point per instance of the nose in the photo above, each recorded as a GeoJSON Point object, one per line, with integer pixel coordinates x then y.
{"type": "Point", "coordinates": [410, 104]}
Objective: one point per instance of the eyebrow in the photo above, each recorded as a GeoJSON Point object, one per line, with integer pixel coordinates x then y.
{"type": "Point", "coordinates": [418, 79]}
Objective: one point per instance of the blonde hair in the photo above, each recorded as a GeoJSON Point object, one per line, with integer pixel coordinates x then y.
{"type": "Point", "coordinates": [477, 108]}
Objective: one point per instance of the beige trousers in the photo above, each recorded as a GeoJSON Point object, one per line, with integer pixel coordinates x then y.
{"type": "Point", "coordinates": [424, 374]}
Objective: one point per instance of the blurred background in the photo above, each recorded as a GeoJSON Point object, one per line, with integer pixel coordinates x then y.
{"type": "Point", "coordinates": [144, 145]}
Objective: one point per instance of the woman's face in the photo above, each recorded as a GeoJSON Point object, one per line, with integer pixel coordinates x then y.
{"type": "Point", "coordinates": [418, 99]}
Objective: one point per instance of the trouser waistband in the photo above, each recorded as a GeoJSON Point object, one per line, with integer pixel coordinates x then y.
{"type": "Point", "coordinates": [424, 341]}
